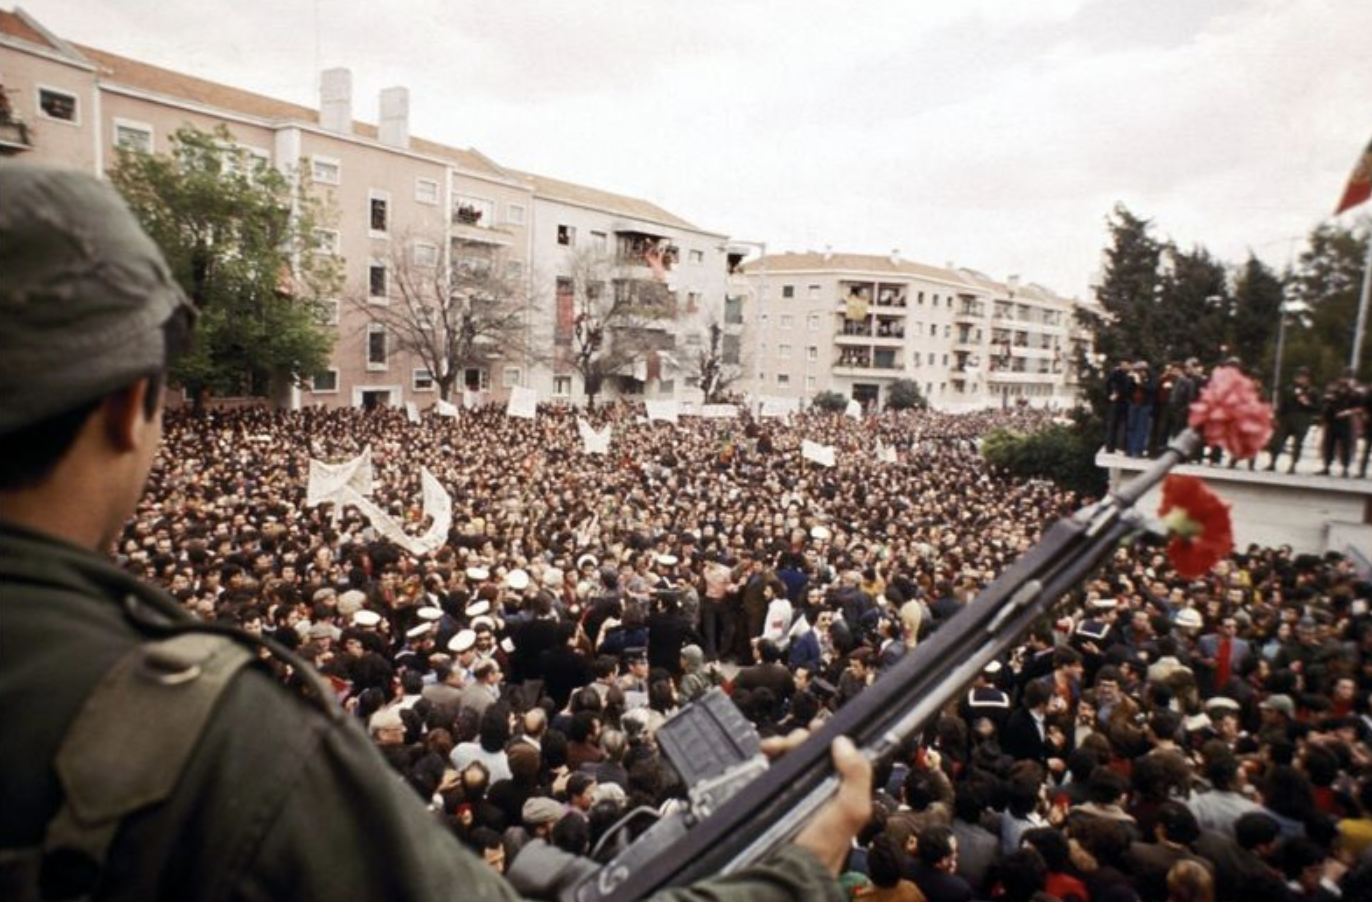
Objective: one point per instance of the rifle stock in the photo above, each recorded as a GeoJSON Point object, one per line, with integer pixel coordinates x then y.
{"type": "Point", "coordinates": [772, 808]}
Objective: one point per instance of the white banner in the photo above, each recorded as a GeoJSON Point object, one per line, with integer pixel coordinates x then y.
{"type": "Point", "coordinates": [445, 409]}
{"type": "Point", "coordinates": [779, 407]}
{"type": "Point", "coordinates": [820, 454]}
{"type": "Point", "coordinates": [662, 410]}
{"type": "Point", "coordinates": [523, 403]}
{"type": "Point", "coordinates": [885, 455]}
{"type": "Point", "coordinates": [438, 505]}
{"type": "Point", "coordinates": [854, 409]}
{"type": "Point", "coordinates": [470, 399]}
{"type": "Point", "coordinates": [593, 442]}
{"type": "Point", "coordinates": [718, 411]}
{"type": "Point", "coordinates": [412, 411]}
{"type": "Point", "coordinates": [327, 481]}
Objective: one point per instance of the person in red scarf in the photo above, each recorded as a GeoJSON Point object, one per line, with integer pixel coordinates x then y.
{"type": "Point", "coordinates": [1222, 654]}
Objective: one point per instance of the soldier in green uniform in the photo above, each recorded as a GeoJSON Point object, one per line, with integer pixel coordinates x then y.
{"type": "Point", "coordinates": [147, 756]}
{"type": "Point", "coordinates": [1296, 413]}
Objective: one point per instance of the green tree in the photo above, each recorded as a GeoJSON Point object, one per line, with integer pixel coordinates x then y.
{"type": "Point", "coordinates": [1062, 453]}
{"type": "Point", "coordinates": [830, 401]}
{"type": "Point", "coordinates": [1130, 297]}
{"type": "Point", "coordinates": [241, 239]}
{"type": "Point", "coordinates": [1328, 279]}
{"type": "Point", "coordinates": [1195, 310]}
{"type": "Point", "coordinates": [1257, 304]}
{"type": "Point", "coordinates": [904, 394]}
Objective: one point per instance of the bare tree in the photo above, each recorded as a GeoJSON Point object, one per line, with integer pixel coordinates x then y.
{"type": "Point", "coordinates": [614, 320]}
{"type": "Point", "coordinates": [716, 373]}
{"type": "Point", "coordinates": [451, 308]}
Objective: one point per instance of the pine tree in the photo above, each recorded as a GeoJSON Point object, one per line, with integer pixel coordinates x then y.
{"type": "Point", "coordinates": [1328, 279]}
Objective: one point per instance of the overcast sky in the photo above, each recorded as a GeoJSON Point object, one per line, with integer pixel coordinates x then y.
{"type": "Point", "coordinates": [996, 135]}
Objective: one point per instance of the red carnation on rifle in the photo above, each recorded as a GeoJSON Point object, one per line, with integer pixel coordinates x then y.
{"type": "Point", "coordinates": [1198, 522]}
{"type": "Point", "coordinates": [1231, 414]}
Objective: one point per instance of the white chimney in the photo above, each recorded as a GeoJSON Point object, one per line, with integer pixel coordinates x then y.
{"type": "Point", "coordinates": [336, 101]}
{"type": "Point", "coordinates": [895, 256]}
{"type": "Point", "coordinates": [1012, 282]}
{"type": "Point", "coordinates": [395, 117]}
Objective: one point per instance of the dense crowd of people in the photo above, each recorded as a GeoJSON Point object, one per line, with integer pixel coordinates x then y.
{"type": "Point", "coordinates": [1145, 409]}
{"type": "Point", "coordinates": [1156, 738]}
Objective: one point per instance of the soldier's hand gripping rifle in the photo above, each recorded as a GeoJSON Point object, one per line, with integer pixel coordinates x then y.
{"type": "Point", "coordinates": [741, 809]}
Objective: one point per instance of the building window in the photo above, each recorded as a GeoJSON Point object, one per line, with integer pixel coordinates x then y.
{"type": "Point", "coordinates": [566, 236]}
{"type": "Point", "coordinates": [947, 331]}
{"type": "Point", "coordinates": [809, 383]}
{"type": "Point", "coordinates": [326, 170]}
{"type": "Point", "coordinates": [564, 321]}
{"type": "Point", "coordinates": [811, 352]}
{"type": "Point", "coordinates": [945, 359]}
{"type": "Point", "coordinates": [378, 213]}
{"type": "Point", "coordinates": [600, 241]}
{"type": "Point", "coordinates": [476, 379]}
{"type": "Point", "coordinates": [376, 346]}
{"type": "Point", "coordinates": [514, 214]}
{"type": "Point", "coordinates": [328, 242]}
{"type": "Point", "coordinates": [812, 322]}
{"type": "Point", "coordinates": [510, 377]}
{"type": "Point", "coordinates": [376, 282]}
{"type": "Point", "coordinates": [785, 321]}
{"type": "Point", "coordinates": [425, 254]}
{"type": "Point", "coordinates": [58, 105]}
{"type": "Point", "coordinates": [788, 291]}
{"type": "Point", "coordinates": [783, 378]}
{"type": "Point", "coordinates": [813, 292]}
{"type": "Point", "coordinates": [692, 301]}
{"type": "Point", "coordinates": [562, 386]}
{"type": "Point", "coordinates": [426, 191]}
{"type": "Point", "coordinates": [733, 310]}
{"type": "Point", "coordinates": [732, 349]}
{"type": "Point", "coordinates": [423, 380]}
{"type": "Point", "coordinates": [326, 312]}
{"type": "Point", "coordinates": [696, 257]}
{"type": "Point", "coordinates": [783, 352]}
{"type": "Point", "coordinates": [325, 383]}
{"type": "Point", "coordinates": [135, 136]}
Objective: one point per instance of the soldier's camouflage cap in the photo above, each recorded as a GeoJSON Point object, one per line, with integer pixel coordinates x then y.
{"type": "Point", "coordinates": [84, 294]}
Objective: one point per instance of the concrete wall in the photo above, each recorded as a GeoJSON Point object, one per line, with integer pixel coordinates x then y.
{"type": "Point", "coordinates": [1313, 514]}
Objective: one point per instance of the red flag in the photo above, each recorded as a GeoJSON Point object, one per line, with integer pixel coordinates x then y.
{"type": "Point", "coordinates": [1359, 183]}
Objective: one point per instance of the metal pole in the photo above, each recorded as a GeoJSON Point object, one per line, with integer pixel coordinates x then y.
{"type": "Point", "coordinates": [1276, 364]}
{"type": "Point", "coordinates": [1362, 308]}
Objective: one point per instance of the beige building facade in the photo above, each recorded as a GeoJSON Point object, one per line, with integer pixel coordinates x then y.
{"type": "Point", "coordinates": [855, 324]}
{"type": "Point", "coordinates": [395, 206]}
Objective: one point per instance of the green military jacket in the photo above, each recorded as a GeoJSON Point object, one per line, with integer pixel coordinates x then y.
{"type": "Point", "coordinates": [280, 798]}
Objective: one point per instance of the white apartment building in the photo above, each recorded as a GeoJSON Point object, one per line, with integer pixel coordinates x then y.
{"type": "Point", "coordinates": [576, 226]}
{"type": "Point", "coordinates": [855, 323]}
